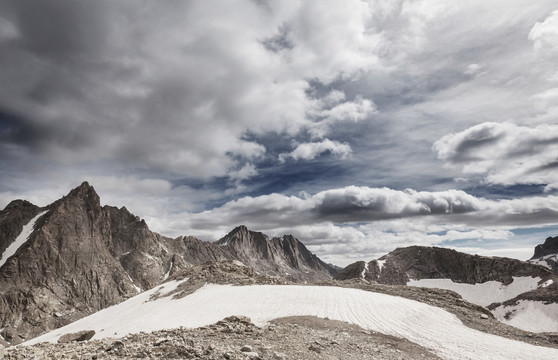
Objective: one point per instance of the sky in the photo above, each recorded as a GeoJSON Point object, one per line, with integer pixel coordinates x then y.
{"type": "Point", "coordinates": [358, 126]}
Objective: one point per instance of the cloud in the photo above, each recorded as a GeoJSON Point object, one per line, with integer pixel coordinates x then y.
{"type": "Point", "coordinates": [544, 36]}
{"type": "Point", "coordinates": [341, 112]}
{"type": "Point", "coordinates": [353, 205]}
{"type": "Point", "coordinates": [172, 88]}
{"type": "Point", "coordinates": [355, 223]}
{"type": "Point", "coordinates": [504, 153]}
{"type": "Point", "coordinates": [309, 151]}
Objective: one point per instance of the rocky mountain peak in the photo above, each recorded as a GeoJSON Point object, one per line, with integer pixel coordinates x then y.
{"type": "Point", "coordinates": [18, 204]}
{"type": "Point", "coordinates": [549, 247]}
{"type": "Point", "coordinates": [243, 237]}
{"type": "Point", "coordinates": [84, 194]}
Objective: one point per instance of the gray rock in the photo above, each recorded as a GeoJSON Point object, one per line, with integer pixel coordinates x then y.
{"type": "Point", "coordinates": [246, 348]}
{"type": "Point", "coordinates": [78, 336]}
{"type": "Point", "coordinates": [279, 356]}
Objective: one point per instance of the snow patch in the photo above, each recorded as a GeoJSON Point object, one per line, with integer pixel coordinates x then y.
{"type": "Point", "coordinates": [21, 239]}
{"type": "Point", "coordinates": [485, 293]}
{"type": "Point", "coordinates": [547, 283]}
{"type": "Point", "coordinates": [529, 315]}
{"type": "Point", "coordinates": [168, 272]}
{"type": "Point", "coordinates": [545, 260]}
{"type": "Point", "coordinates": [381, 264]}
{"type": "Point", "coordinates": [138, 289]}
{"type": "Point", "coordinates": [429, 326]}
{"type": "Point", "coordinates": [540, 262]}
{"type": "Point", "coordinates": [364, 271]}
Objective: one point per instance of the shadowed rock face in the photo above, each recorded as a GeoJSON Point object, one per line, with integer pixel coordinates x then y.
{"type": "Point", "coordinates": [285, 256]}
{"type": "Point", "coordinates": [420, 262]}
{"type": "Point", "coordinates": [82, 257]}
{"type": "Point", "coordinates": [550, 247]}
{"type": "Point", "coordinates": [547, 254]}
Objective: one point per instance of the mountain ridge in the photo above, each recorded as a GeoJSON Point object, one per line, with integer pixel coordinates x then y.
{"type": "Point", "coordinates": [81, 257]}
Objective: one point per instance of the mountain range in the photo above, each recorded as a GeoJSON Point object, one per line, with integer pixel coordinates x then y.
{"type": "Point", "coordinates": [75, 257]}
{"type": "Point", "coordinates": [72, 258]}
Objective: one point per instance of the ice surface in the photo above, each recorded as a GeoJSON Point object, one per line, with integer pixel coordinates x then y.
{"type": "Point", "coordinates": [426, 325]}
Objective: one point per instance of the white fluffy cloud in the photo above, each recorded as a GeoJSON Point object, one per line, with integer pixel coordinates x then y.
{"type": "Point", "coordinates": [354, 223]}
{"type": "Point", "coordinates": [504, 153]}
{"type": "Point", "coordinates": [309, 151]}
{"type": "Point", "coordinates": [544, 35]}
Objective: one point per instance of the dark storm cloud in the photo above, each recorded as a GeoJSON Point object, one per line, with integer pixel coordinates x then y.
{"type": "Point", "coordinates": [62, 29]}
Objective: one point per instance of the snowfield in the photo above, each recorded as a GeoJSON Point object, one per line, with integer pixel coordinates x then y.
{"type": "Point", "coordinates": [21, 239]}
{"type": "Point", "coordinates": [532, 316]}
{"type": "Point", "coordinates": [529, 315]}
{"type": "Point", "coordinates": [429, 326]}
{"type": "Point", "coordinates": [482, 294]}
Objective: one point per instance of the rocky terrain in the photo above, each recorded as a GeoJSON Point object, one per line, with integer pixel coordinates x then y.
{"type": "Point", "coordinates": [237, 338]}
{"type": "Point", "coordinates": [306, 337]}
{"type": "Point", "coordinates": [546, 254]}
{"type": "Point", "coordinates": [80, 257]}
{"type": "Point", "coordinates": [520, 293]}
{"type": "Point", "coordinates": [421, 262]}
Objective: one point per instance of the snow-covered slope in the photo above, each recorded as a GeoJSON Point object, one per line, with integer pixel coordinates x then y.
{"type": "Point", "coordinates": [426, 325]}
{"type": "Point", "coordinates": [485, 293]}
{"type": "Point", "coordinates": [20, 240]}
{"type": "Point", "coordinates": [529, 315]}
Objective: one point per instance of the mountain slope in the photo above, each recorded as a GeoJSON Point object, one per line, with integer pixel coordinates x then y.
{"type": "Point", "coordinates": [501, 284]}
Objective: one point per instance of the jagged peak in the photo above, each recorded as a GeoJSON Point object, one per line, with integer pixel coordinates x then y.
{"type": "Point", "coordinates": [83, 188]}
{"type": "Point", "coordinates": [239, 228]}
{"type": "Point", "coordinates": [84, 193]}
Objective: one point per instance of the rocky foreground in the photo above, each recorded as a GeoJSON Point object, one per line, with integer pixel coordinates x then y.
{"type": "Point", "coordinates": [301, 337]}
{"type": "Point", "coordinates": [237, 338]}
